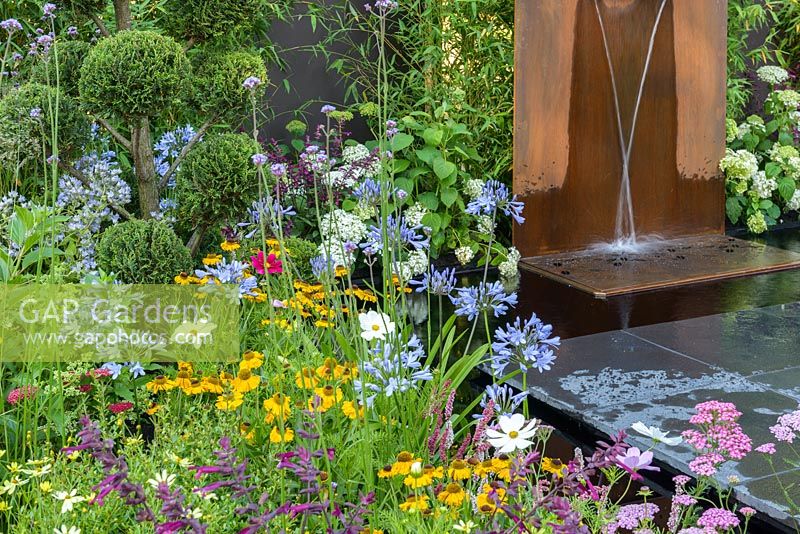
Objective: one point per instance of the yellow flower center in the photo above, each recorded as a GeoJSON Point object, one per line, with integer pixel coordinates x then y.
{"type": "Point", "coordinates": [376, 327]}
{"type": "Point", "coordinates": [513, 434]}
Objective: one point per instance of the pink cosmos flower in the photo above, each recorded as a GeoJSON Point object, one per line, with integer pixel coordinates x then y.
{"type": "Point", "coordinates": [635, 460]}
{"type": "Point", "coordinates": [272, 265]}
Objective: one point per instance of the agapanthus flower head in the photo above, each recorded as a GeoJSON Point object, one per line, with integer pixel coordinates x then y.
{"type": "Point", "coordinates": [391, 128]}
{"type": "Point", "coordinates": [502, 398]}
{"type": "Point", "coordinates": [322, 267]}
{"type": "Point", "coordinates": [528, 344]}
{"type": "Point", "coordinates": [381, 7]}
{"type": "Point", "coordinates": [259, 159]}
{"type": "Point", "coordinates": [473, 300]}
{"type": "Point", "coordinates": [327, 109]}
{"type": "Point", "coordinates": [435, 282]}
{"type": "Point", "coordinates": [35, 113]}
{"type": "Point", "coordinates": [251, 83]}
{"type": "Point", "coordinates": [11, 26]}
{"type": "Point", "coordinates": [399, 236]}
{"type": "Point", "coordinates": [278, 170]}
{"type": "Point", "coordinates": [496, 197]}
{"type": "Point", "coordinates": [72, 31]}
{"type": "Point", "coordinates": [395, 367]}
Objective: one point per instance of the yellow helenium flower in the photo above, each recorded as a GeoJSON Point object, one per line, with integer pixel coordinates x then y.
{"type": "Point", "coordinates": [277, 406]}
{"type": "Point", "coordinates": [502, 466]}
{"type": "Point", "coordinates": [484, 468]}
{"type": "Point", "coordinates": [328, 397]}
{"type": "Point", "coordinates": [195, 387]}
{"type": "Point", "coordinates": [402, 466]}
{"type": "Point", "coordinates": [328, 369]}
{"type": "Point", "coordinates": [426, 478]}
{"type": "Point", "coordinates": [553, 466]}
{"type": "Point", "coordinates": [305, 379]}
{"type": "Point", "coordinates": [245, 381]}
{"type": "Point", "coordinates": [349, 410]}
{"type": "Point", "coordinates": [184, 379]}
{"type": "Point", "coordinates": [275, 435]}
{"type": "Point", "coordinates": [225, 377]}
{"type": "Point", "coordinates": [160, 383]}
{"type": "Point", "coordinates": [245, 429]}
{"type": "Point", "coordinates": [452, 495]}
{"type": "Point", "coordinates": [415, 502]}
{"type": "Point", "coordinates": [229, 401]}
{"type": "Point", "coordinates": [459, 470]}
{"type": "Point", "coordinates": [340, 271]}
{"type": "Point", "coordinates": [490, 498]}
{"type": "Point", "coordinates": [322, 323]}
{"type": "Point", "coordinates": [153, 409]}
{"type": "Point", "coordinates": [212, 259]}
{"type": "Point", "coordinates": [256, 295]}
{"type": "Point", "coordinates": [183, 279]}
{"type": "Point", "coordinates": [212, 384]}
{"type": "Point", "coordinates": [230, 246]}
{"type": "Point", "coordinates": [385, 472]}
{"type": "Point", "coordinates": [251, 360]}
{"type": "Point", "coordinates": [186, 366]}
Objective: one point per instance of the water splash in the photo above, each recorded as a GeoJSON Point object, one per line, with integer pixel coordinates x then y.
{"type": "Point", "coordinates": [625, 229]}
{"type": "Point", "coordinates": [629, 245]}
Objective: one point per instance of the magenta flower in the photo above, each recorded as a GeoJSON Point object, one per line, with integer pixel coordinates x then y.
{"type": "Point", "coordinates": [272, 265]}
{"type": "Point", "coordinates": [767, 448]}
{"type": "Point", "coordinates": [635, 460]}
{"type": "Point", "coordinates": [718, 518]}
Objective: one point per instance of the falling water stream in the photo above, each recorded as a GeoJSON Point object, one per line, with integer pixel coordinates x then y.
{"type": "Point", "coordinates": [625, 229]}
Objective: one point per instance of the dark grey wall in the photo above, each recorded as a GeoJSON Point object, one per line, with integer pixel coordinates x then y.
{"type": "Point", "coordinates": [311, 84]}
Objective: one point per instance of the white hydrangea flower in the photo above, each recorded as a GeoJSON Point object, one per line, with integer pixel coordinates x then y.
{"type": "Point", "coordinates": [789, 98]}
{"type": "Point", "coordinates": [772, 74]}
{"type": "Point", "coordinates": [485, 224]}
{"type": "Point", "coordinates": [742, 130]}
{"type": "Point", "coordinates": [364, 211]}
{"type": "Point", "coordinates": [415, 213]}
{"type": "Point", "coordinates": [343, 226]}
{"type": "Point", "coordinates": [509, 268]}
{"type": "Point", "coordinates": [473, 188]}
{"type": "Point", "coordinates": [335, 253]}
{"type": "Point", "coordinates": [763, 186]}
{"type": "Point", "coordinates": [354, 153]}
{"type": "Point", "coordinates": [739, 164]}
{"type": "Point", "coordinates": [464, 255]}
{"type": "Point", "coordinates": [794, 202]}
{"type": "Point", "coordinates": [417, 262]}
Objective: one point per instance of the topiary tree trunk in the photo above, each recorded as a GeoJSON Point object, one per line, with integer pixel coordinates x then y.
{"type": "Point", "coordinates": [143, 161]}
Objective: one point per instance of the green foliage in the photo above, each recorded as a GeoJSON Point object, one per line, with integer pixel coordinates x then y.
{"type": "Point", "coordinates": [134, 74]}
{"type": "Point", "coordinates": [207, 19]}
{"type": "Point", "coordinates": [29, 231]}
{"type": "Point", "coordinates": [142, 252]}
{"type": "Point", "coordinates": [88, 7]}
{"type": "Point", "coordinates": [217, 181]}
{"type": "Point", "coordinates": [70, 56]}
{"type": "Point", "coordinates": [762, 164]}
{"type": "Point", "coordinates": [60, 119]}
{"type": "Point", "coordinates": [432, 155]}
{"type": "Point", "coordinates": [744, 17]}
{"type": "Point", "coordinates": [219, 81]}
{"type": "Point", "coordinates": [301, 251]}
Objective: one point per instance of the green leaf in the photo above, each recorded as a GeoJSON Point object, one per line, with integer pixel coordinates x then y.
{"type": "Point", "coordinates": [734, 209]}
{"type": "Point", "coordinates": [786, 188]}
{"type": "Point", "coordinates": [43, 253]}
{"type": "Point", "coordinates": [448, 196]}
{"type": "Point", "coordinates": [298, 145]}
{"type": "Point", "coordinates": [772, 169]}
{"type": "Point", "coordinates": [433, 136]}
{"type": "Point", "coordinates": [123, 391]}
{"type": "Point", "coordinates": [428, 154]}
{"type": "Point", "coordinates": [432, 221]}
{"type": "Point", "coordinates": [400, 141]}
{"type": "Point", "coordinates": [774, 211]}
{"type": "Point", "coordinates": [443, 168]}
{"type": "Point", "coordinates": [765, 204]}
{"type": "Point", "coordinates": [429, 200]}
{"type": "Point", "coordinates": [400, 165]}
{"type": "Point", "coordinates": [406, 184]}
{"type": "Point", "coordinates": [785, 138]}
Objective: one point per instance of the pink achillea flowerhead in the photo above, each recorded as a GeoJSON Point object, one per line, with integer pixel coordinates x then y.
{"type": "Point", "coordinates": [718, 518]}
{"type": "Point", "coordinates": [21, 393]}
{"type": "Point", "coordinates": [767, 448]}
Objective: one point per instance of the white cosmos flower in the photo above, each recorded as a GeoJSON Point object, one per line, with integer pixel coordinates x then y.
{"type": "Point", "coordinates": [164, 477]}
{"type": "Point", "coordinates": [656, 434]}
{"type": "Point", "coordinates": [64, 529]}
{"type": "Point", "coordinates": [69, 499]}
{"type": "Point", "coordinates": [513, 434]}
{"type": "Point", "coordinates": [375, 325]}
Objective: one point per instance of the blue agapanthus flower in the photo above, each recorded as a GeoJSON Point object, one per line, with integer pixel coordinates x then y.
{"type": "Point", "coordinates": [529, 345]}
{"type": "Point", "coordinates": [322, 267]}
{"type": "Point", "coordinates": [495, 197]}
{"type": "Point", "coordinates": [399, 234]}
{"type": "Point", "coordinates": [436, 282]}
{"type": "Point", "coordinates": [231, 273]}
{"type": "Point", "coordinates": [273, 212]}
{"type": "Point", "coordinates": [505, 401]}
{"type": "Point", "coordinates": [395, 368]}
{"type": "Point", "coordinates": [474, 300]}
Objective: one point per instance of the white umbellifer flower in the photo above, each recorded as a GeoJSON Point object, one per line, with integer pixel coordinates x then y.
{"type": "Point", "coordinates": [354, 153]}
{"type": "Point", "coordinates": [414, 214]}
{"type": "Point", "coordinates": [162, 477]}
{"type": "Point", "coordinates": [473, 188]}
{"type": "Point", "coordinates": [509, 268]}
{"type": "Point", "coordinates": [772, 74]}
{"type": "Point", "coordinates": [763, 186]}
{"type": "Point", "coordinates": [64, 529]}
{"type": "Point", "coordinates": [464, 255]}
{"type": "Point", "coordinates": [375, 325]}
{"type": "Point", "coordinates": [68, 499]}
{"type": "Point", "coordinates": [513, 435]}
{"type": "Point", "coordinates": [656, 434]}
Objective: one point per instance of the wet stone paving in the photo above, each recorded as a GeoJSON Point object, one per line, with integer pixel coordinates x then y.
{"type": "Point", "coordinates": [658, 373]}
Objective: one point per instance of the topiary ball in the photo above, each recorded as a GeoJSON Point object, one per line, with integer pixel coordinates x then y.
{"type": "Point", "coordinates": [217, 181]}
{"type": "Point", "coordinates": [134, 74]}
{"type": "Point", "coordinates": [26, 110]}
{"type": "Point", "coordinates": [143, 252]}
{"type": "Point", "coordinates": [219, 81]}
{"type": "Point", "coordinates": [70, 56]}
{"type": "Point", "coordinates": [207, 19]}
{"type": "Point", "coordinates": [300, 252]}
